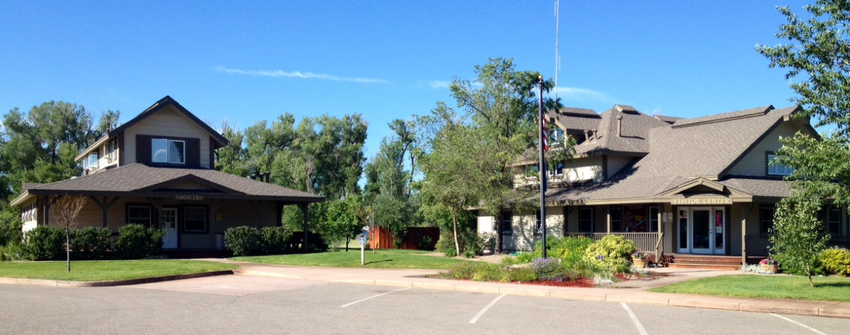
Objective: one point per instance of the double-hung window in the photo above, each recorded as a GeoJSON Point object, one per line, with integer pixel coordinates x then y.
{"type": "Point", "coordinates": [168, 151]}
{"type": "Point", "coordinates": [775, 169]}
{"type": "Point", "coordinates": [139, 215]}
{"type": "Point", "coordinates": [616, 218]}
{"type": "Point", "coordinates": [833, 221]}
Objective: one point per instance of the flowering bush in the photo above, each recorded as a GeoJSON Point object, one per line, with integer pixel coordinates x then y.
{"type": "Point", "coordinates": [612, 253]}
{"type": "Point", "coordinates": [640, 256]}
{"type": "Point", "coordinates": [836, 261]}
{"type": "Point", "coordinates": [768, 261]}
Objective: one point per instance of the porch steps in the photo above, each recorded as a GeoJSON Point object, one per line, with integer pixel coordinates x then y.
{"type": "Point", "coordinates": [708, 262]}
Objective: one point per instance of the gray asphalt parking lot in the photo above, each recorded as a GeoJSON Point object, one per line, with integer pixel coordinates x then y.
{"type": "Point", "coordinates": [263, 305]}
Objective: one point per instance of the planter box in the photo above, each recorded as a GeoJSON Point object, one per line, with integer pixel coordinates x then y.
{"type": "Point", "coordinates": [640, 263]}
{"type": "Point", "coordinates": [770, 268]}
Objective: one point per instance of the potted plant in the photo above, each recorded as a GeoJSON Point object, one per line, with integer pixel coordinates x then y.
{"type": "Point", "coordinates": [768, 265]}
{"type": "Point", "coordinates": [639, 259]}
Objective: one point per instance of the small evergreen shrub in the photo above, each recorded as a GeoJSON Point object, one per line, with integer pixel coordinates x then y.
{"type": "Point", "coordinates": [45, 243]}
{"type": "Point", "coordinates": [273, 240]}
{"type": "Point", "coordinates": [836, 261]}
{"type": "Point", "coordinates": [612, 253]}
{"type": "Point", "coordinates": [243, 240]}
{"type": "Point", "coordinates": [137, 241]}
{"type": "Point", "coordinates": [90, 243]}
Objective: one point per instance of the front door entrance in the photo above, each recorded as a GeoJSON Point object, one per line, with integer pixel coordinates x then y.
{"type": "Point", "coordinates": [701, 230]}
{"type": "Point", "coordinates": [169, 225]}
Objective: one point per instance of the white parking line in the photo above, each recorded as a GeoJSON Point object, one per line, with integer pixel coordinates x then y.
{"type": "Point", "coordinates": [372, 297]}
{"type": "Point", "coordinates": [799, 324]}
{"type": "Point", "coordinates": [635, 319]}
{"type": "Point", "coordinates": [481, 313]}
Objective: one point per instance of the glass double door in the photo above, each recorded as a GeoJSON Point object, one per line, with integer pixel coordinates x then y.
{"type": "Point", "coordinates": [702, 230]}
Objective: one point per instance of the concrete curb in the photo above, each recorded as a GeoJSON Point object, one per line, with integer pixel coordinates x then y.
{"type": "Point", "coordinates": [635, 296]}
{"type": "Point", "coordinates": [69, 283]}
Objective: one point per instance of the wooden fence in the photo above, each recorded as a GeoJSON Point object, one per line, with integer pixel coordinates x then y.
{"type": "Point", "coordinates": [381, 238]}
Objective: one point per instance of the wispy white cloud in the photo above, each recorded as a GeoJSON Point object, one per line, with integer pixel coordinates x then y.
{"type": "Point", "coordinates": [439, 84]}
{"type": "Point", "coordinates": [582, 94]}
{"type": "Point", "coordinates": [302, 75]}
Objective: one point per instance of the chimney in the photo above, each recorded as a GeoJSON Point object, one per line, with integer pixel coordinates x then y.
{"type": "Point", "coordinates": [586, 136]}
{"type": "Point", "coordinates": [619, 126]}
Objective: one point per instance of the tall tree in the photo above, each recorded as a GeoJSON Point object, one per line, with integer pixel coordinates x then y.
{"type": "Point", "coordinates": [388, 180]}
{"type": "Point", "coordinates": [502, 105]}
{"type": "Point", "coordinates": [454, 168]}
{"type": "Point", "coordinates": [818, 50]}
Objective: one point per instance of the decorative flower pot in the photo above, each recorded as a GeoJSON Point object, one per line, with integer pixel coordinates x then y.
{"type": "Point", "coordinates": [639, 263]}
{"type": "Point", "coordinates": [770, 268]}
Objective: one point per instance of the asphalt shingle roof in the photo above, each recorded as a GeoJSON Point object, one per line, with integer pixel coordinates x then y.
{"type": "Point", "coordinates": [139, 177]}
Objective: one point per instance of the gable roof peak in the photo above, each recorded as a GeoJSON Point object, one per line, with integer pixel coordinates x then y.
{"type": "Point", "coordinates": [160, 105]}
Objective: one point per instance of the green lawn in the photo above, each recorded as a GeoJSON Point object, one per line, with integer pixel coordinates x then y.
{"type": "Point", "coordinates": [383, 259]}
{"type": "Point", "coordinates": [108, 270]}
{"type": "Point", "coordinates": [772, 287]}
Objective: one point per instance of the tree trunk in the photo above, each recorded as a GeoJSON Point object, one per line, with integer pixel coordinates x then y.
{"type": "Point", "coordinates": [498, 228]}
{"type": "Point", "coordinates": [68, 248]}
{"type": "Point", "coordinates": [457, 244]}
{"type": "Point", "coordinates": [809, 273]}
{"type": "Point", "coordinates": [347, 240]}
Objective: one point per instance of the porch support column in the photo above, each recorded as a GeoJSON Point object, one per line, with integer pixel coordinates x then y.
{"type": "Point", "coordinates": [157, 204]}
{"type": "Point", "coordinates": [660, 249]}
{"type": "Point", "coordinates": [304, 209]}
{"type": "Point", "coordinates": [608, 218]}
{"type": "Point", "coordinates": [746, 211]}
{"type": "Point", "coordinates": [47, 203]}
{"type": "Point", "coordinates": [104, 205]}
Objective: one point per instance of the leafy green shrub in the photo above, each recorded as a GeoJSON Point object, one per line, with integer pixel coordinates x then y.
{"type": "Point", "coordinates": [45, 243]}
{"type": "Point", "coordinates": [468, 270]}
{"type": "Point", "coordinates": [549, 269]}
{"type": "Point", "coordinates": [795, 268]}
{"type": "Point", "coordinates": [317, 243]}
{"type": "Point", "coordinates": [570, 250]}
{"type": "Point", "coordinates": [10, 226]}
{"type": "Point", "coordinates": [612, 253]}
{"type": "Point", "coordinates": [90, 242]}
{"type": "Point", "coordinates": [518, 274]}
{"type": "Point", "coordinates": [446, 245]}
{"type": "Point", "coordinates": [525, 257]}
{"type": "Point", "coordinates": [137, 241]}
{"type": "Point", "coordinates": [12, 252]}
{"type": "Point", "coordinates": [836, 261]}
{"type": "Point", "coordinates": [243, 240]}
{"type": "Point", "coordinates": [274, 240]}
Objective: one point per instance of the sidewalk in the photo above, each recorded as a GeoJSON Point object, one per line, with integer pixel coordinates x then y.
{"type": "Point", "coordinates": [628, 292]}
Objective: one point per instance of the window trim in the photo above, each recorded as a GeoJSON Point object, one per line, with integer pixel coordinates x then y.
{"type": "Point", "coordinates": [617, 221]}
{"type": "Point", "coordinates": [828, 222]}
{"type": "Point", "coordinates": [185, 225]}
{"type": "Point", "coordinates": [168, 157]}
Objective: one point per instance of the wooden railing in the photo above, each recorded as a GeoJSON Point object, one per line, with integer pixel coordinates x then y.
{"type": "Point", "coordinates": [759, 244]}
{"type": "Point", "coordinates": [643, 241]}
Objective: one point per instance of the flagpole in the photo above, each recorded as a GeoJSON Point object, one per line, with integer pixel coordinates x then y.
{"type": "Point", "coordinates": [543, 141]}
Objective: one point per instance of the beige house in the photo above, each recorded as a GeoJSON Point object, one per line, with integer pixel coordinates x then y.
{"type": "Point", "coordinates": [157, 170]}
{"type": "Point", "coordinates": [699, 186]}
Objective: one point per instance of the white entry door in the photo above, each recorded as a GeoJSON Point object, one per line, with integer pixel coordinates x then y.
{"type": "Point", "coordinates": [169, 225]}
{"type": "Point", "coordinates": [701, 230]}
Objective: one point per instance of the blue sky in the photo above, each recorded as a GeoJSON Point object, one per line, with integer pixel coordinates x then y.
{"type": "Point", "coordinates": [245, 61]}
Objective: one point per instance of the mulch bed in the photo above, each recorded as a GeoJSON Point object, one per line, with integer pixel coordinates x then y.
{"type": "Point", "coordinates": [581, 282]}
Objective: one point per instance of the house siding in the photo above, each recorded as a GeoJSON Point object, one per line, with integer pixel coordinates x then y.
{"type": "Point", "coordinates": [523, 237]}
{"type": "Point", "coordinates": [754, 163]}
{"type": "Point", "coordinates": [168, 122]}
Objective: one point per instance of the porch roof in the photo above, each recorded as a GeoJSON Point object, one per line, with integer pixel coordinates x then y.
{"type": "Point", "coordinates": [139, 180]}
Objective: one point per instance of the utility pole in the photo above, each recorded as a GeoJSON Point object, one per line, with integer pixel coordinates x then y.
{"type": "Point", "coordinates": [544, 147]}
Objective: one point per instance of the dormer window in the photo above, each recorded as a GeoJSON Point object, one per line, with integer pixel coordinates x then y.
{"type": "Point", "coordinates": [168, 151]}
{"type": "Point", "coordinates": [90, 162]}
{"type": "Point", "coordinates": [775, 169]}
